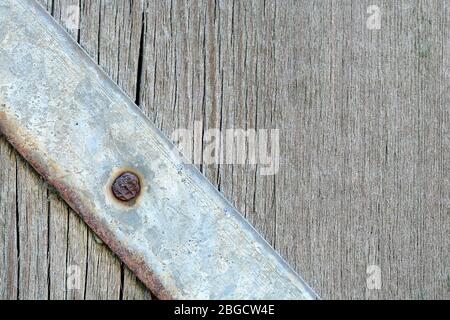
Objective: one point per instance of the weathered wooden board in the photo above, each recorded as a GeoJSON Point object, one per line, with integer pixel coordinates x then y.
{"type": "Point", "coordinates": [364, 135]}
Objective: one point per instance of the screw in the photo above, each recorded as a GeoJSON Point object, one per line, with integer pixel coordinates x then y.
{"type": "Point", "coordinates": [126, 187]}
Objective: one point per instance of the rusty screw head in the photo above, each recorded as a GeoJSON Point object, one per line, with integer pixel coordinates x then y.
{"type": "Point", "coordinates": [126, 187]}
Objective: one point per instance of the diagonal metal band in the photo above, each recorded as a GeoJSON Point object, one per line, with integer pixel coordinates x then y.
{"type": "Point", "coordinates": [80, 131]}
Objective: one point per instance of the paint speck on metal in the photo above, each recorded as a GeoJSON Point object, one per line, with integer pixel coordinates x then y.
{"type": "Point", "coordinates": [181, 237]}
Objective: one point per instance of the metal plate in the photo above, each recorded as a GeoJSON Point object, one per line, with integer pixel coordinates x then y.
{"type": "Point", "coordinates": [79, 131]}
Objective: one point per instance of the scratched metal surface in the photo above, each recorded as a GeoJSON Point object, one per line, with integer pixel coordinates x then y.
{"type": "Point", "coordinates": [79, 130]}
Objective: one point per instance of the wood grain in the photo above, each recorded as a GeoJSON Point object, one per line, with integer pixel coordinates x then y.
{"type": "Point", "coordinates": [364, 139]}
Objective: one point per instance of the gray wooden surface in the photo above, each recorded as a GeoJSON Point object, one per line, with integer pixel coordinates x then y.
{"type": "Point", "coordinates": [364, 139]}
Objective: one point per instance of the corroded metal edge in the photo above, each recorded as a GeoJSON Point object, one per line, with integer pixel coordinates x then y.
{"type": "Point", "coordinates": [24, 137]}
{"type": "Point", "coordinates": [135, 263]}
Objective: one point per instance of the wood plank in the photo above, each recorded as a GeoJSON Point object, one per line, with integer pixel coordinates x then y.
{"type": "Point", "coordinates": [341, 202]}
{"type": "Point", "coordinates": [58, 239]}
{"type": "Point", "coordinates": [110, 32]}
{"type": "Point", "coordinates": [120, 39]}
{"type": "Point", "coordinates": [32, 230]}
{"type": "Point", "coordinates": [9, 262]}
{"type": "Point", "coordinates": [76, 247]}
{"type": "Point", "coordinates": [366, 172]}
{"type": "Point", "coordinates": [363, 136]}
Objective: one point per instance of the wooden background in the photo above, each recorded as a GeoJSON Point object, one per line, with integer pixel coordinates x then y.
{"type": "Point", "coordinates": [364, 136]}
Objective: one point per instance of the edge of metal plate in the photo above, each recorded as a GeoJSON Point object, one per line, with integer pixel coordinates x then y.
{"type": "Point", "coordinates": [79, 130]}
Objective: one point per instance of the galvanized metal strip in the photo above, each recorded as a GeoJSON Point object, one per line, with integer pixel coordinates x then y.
{"type": "Point", "coordinates": [181, 237]}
